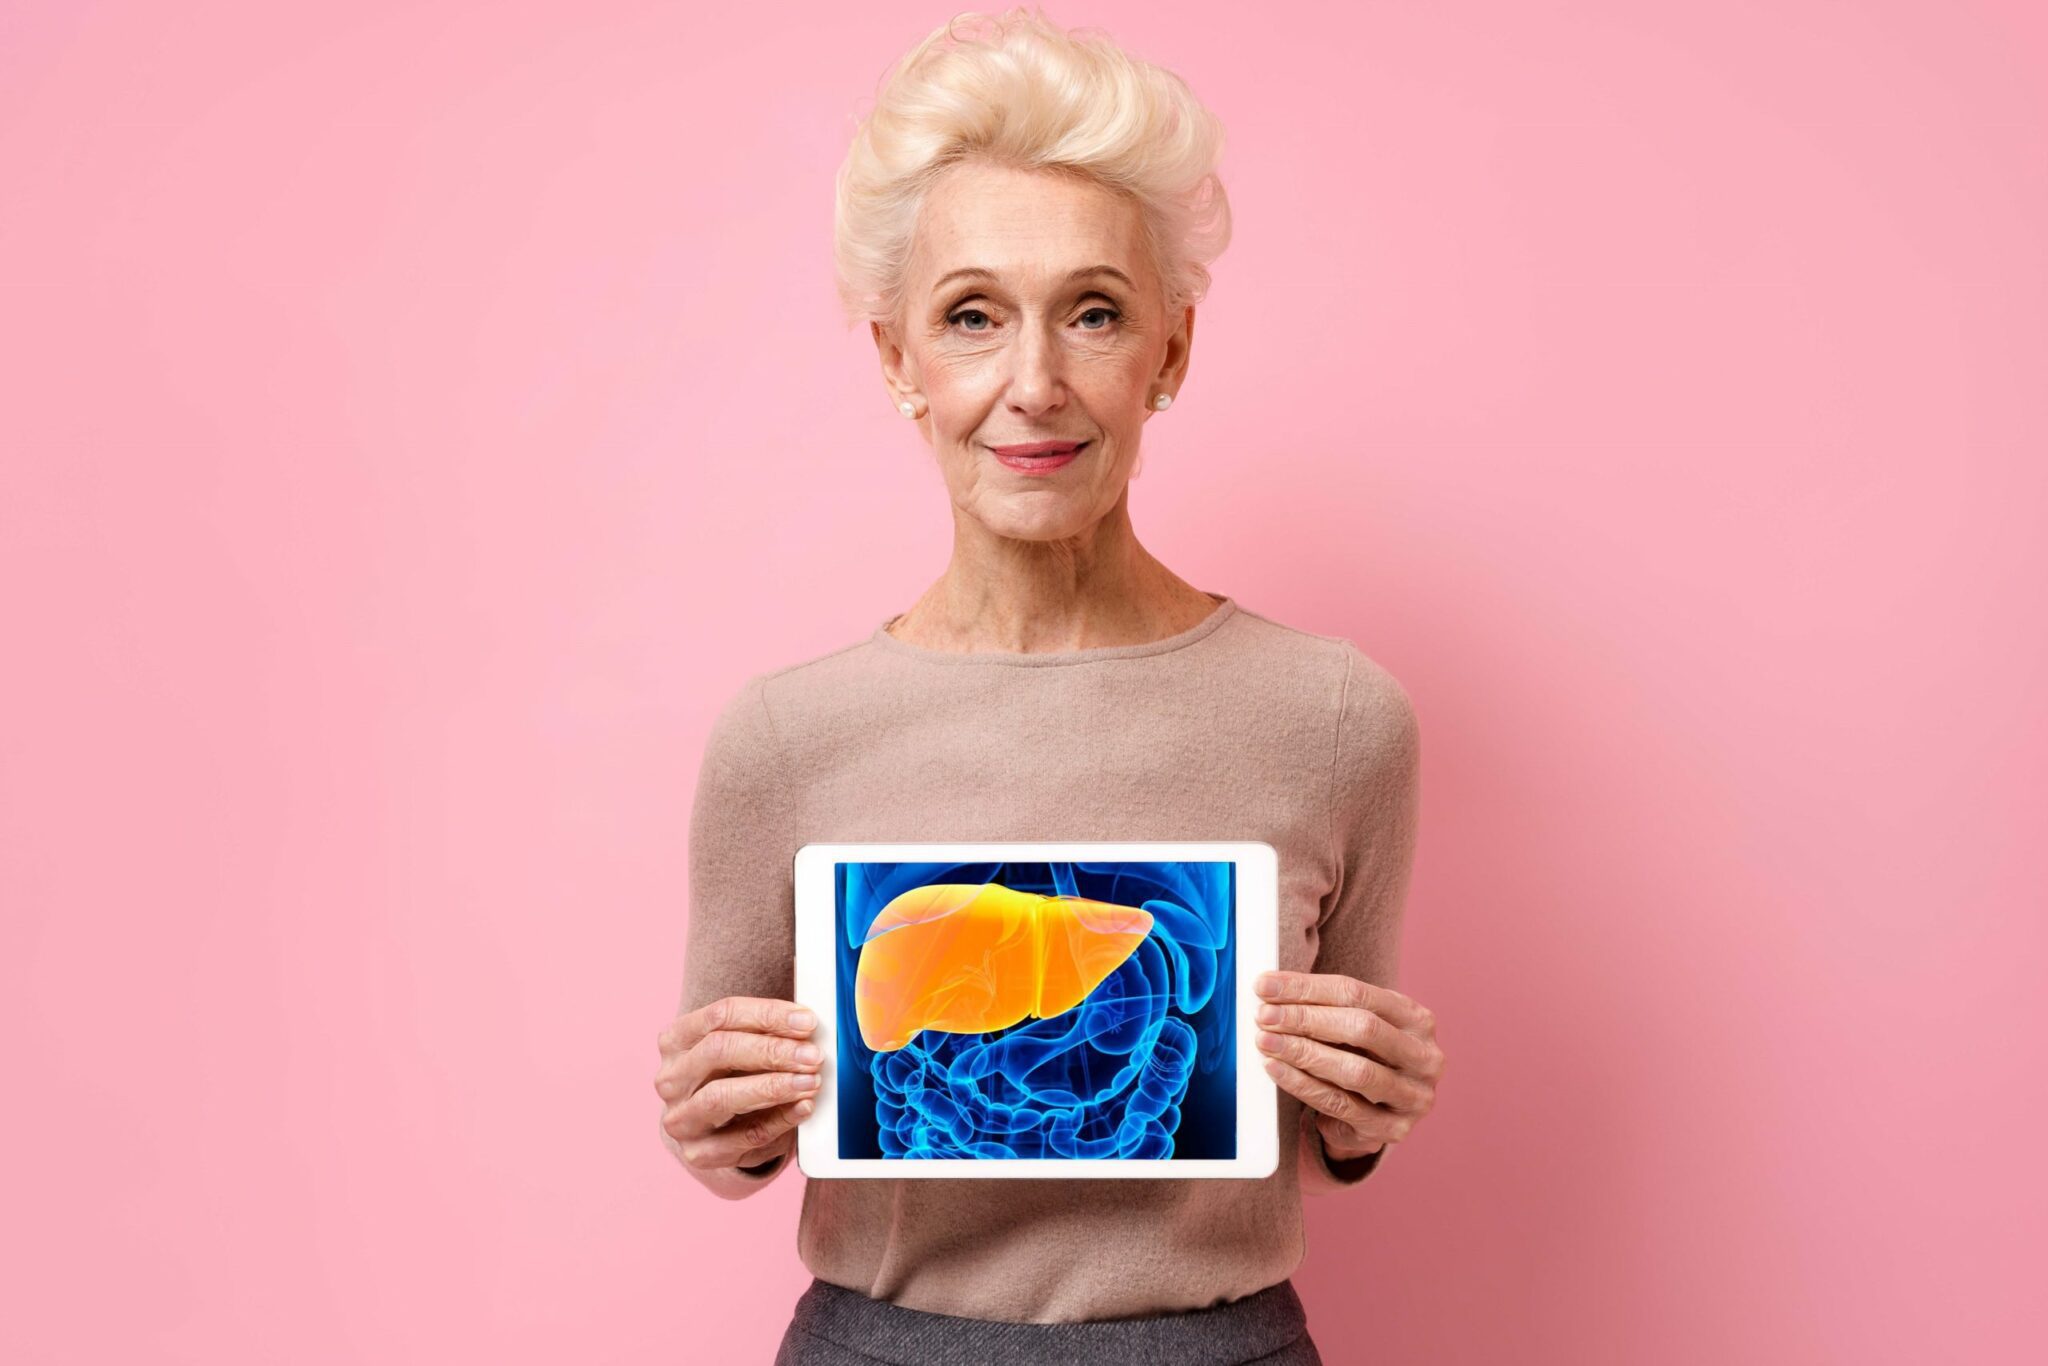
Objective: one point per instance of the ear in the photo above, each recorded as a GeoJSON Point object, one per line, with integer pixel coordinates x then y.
{"type": "Point", "coordinates": [898, 374]}
{"type": "Point", "coordinates": [1173, 368]}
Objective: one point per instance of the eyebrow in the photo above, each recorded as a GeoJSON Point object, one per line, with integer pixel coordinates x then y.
{"type": "Point", "coordinates": [983, 273]}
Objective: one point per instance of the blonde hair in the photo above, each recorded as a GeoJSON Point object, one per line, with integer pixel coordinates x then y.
{"type": "Point", "coordinates": [1017, 90]}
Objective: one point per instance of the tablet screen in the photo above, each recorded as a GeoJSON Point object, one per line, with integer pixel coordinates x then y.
{"type": "Point", "coordinates": [1061, 1010]}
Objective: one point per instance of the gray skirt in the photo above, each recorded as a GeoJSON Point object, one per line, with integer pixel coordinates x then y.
{"type": "Point", "coordinates": [834, 1326]}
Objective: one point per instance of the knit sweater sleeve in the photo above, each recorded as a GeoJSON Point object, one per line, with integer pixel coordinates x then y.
{"type": "Point", "coordinates": [1375, 793]}
{"type": "Point", "coordinates": [742, 891]}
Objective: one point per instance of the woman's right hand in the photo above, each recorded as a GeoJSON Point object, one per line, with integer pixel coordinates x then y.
{"type": "Point", "coordinates": [737, 1075]}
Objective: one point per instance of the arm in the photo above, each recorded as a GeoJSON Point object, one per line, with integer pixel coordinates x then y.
{"type": "Point", "coordinates": [742, 924]}
{"type": "Point", "coordinates": [1375, 796]}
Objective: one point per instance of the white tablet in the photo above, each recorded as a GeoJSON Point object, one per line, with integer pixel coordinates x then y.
{"type": "Point", "coordinates": [1038, 1009]}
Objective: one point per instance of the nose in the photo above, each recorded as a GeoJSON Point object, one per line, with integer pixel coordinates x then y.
{"type": "Point", "coordinates": [1037, 374]}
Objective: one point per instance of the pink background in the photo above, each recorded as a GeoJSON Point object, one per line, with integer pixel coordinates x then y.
{"type": "Point", "coordinates": [419, 418]}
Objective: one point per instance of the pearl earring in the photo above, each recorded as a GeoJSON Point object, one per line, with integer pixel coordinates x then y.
{"type": "Point", "coordinates": [1163, 402]}
{"type": "Point", "coordinates": [907, 408]}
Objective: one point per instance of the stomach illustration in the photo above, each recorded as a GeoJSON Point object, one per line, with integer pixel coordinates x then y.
{"type": "Point", "coordinates": [1064, 1010]}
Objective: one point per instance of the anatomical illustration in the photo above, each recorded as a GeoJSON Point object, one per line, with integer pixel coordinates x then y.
{"type": "Point", "coordinates": [1071, 1010]}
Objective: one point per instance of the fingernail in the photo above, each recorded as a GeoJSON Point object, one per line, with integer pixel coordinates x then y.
{"type": "Point", "coordinates": [808, 1053]}
{"type": "Point", "coordinates": [809, 1083]}
{"type": "Point", "coordinates": [1269, 1014]}
{"type": "Point", "coordinates": [1267, 1041]}
{"type": "Point", "coordinates": [802, 1108]}
{"type": "Point", "coordinates": [1267, 981]}
{"type": "Point", "coordinates": [802, 1019]}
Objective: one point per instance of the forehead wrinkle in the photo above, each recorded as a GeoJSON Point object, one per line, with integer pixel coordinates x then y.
{"type": "Point", "coordinates": [984, 273]}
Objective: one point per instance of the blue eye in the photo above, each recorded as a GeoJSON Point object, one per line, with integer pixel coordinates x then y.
{"type": "Point", "coordinates": [953, 319]}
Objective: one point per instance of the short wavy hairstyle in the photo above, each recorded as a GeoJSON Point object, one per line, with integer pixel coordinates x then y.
{"type": "Point", "coordinates": [1016, 90]}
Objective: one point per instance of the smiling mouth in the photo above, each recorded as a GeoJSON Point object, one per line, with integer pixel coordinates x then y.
{"type": "Point", "coordinates": [1040, 457]}
{"type": "Point", "coordinates": [1039, 448]}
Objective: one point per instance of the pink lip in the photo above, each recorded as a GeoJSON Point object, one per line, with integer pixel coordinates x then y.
{"type": "Point", "coordinates": [1039, 448]}
{"type": "Point", "coordinates": [1040, 457]}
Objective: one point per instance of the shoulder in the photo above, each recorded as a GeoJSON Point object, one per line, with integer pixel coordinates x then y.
{"type": "Point", "coordinates": [1371, 731]}
{"type": "Point", "coordinates": [1364, 693]}
{"type": "Point", "coordinates": [1376, 714]}
{"type": "Point", "coordinates": [1378, 753]}
{"type": "Point", "coordinates": [779, 723]}
{"type": "Point", "coordinates": [812, 675]}
{"type": "Point", "coordinates": [757, 712]}
{"type": "Point", "coordinates": [789, 710]}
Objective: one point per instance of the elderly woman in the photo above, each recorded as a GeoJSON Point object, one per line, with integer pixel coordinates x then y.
{"type": "Point", "coordinates": [1024, 222]}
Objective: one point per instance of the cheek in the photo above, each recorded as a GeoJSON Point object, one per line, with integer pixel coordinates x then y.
{"type": "Point", "coordinates": [959, 392]}
{"type": "Point", "coordinates": [1116, 397]}
{"type": "Point", "coordinates": [1117, 376]}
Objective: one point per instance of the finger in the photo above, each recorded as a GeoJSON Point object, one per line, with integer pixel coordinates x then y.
{"type": "Point", "coordinates": [1366, 1119]}
{"type": "Point", "coordinates": [760, 1014]}
{"type": "Point", "coordinates": [719, 1101]}
{"type": "Point", "coordinates": [787, 1119]}
{"type": "Point", "coordinates": [744, 1141]}
{"type": "Point", "coordinates": [1336, 989]}
{"type": "Point", "coordinates": [1353, 1028]}
{"type": "Point", "coordinates": [1354, 1072]}
{"type": "Point", "coordinates": [729, 1052]}
{"type": "Point", "coordinates": [761, 1135]}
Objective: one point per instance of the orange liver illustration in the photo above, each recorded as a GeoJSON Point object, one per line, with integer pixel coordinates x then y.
{"type": "Point", "coordinates": [972, 957]}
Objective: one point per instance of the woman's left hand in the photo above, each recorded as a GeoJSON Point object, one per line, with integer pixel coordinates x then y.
{"type": "Point", "coordinates": [1363, 1057]}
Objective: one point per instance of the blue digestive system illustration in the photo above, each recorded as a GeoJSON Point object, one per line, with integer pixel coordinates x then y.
{"type": "Point", "coordinates": [1020, 1018]}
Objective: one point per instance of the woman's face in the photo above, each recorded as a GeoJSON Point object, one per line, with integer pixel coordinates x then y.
{"type": "Point", "coordinates": [1037, 344]}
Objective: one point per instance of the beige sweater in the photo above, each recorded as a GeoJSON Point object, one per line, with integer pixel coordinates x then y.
{"type": "Point", "coordinates": [1238, 728]}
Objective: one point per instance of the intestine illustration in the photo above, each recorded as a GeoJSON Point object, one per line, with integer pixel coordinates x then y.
{"type": "Point", "coordinates": [1064, 1010]}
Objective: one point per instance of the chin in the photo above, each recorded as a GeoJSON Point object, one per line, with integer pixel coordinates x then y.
{"type": "Point", "coordinates": [1033, 515]}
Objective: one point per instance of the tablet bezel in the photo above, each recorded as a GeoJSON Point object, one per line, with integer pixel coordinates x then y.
{"type": "Point", "coordinates": [1257, 935]}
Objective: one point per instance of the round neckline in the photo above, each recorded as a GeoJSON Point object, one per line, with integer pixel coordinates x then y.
{"type": "Point", "coordinates": [1226, 607]}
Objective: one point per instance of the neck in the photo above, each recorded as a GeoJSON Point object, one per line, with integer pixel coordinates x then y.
{"type": "Point", "coordinates": [1098, 588]}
